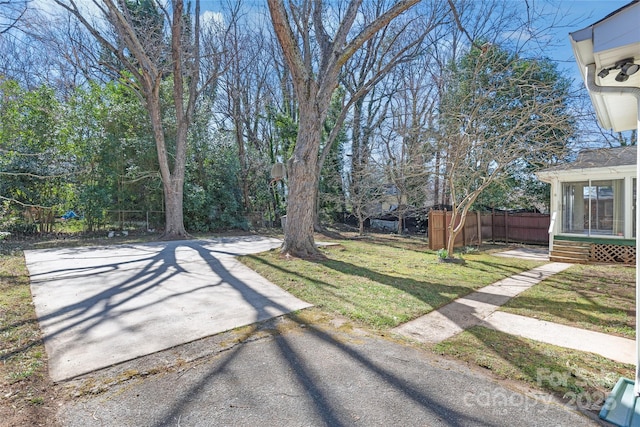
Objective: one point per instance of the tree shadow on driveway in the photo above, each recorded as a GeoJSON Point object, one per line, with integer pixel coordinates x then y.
{"type": "Point", "coordinates": [102, 306]}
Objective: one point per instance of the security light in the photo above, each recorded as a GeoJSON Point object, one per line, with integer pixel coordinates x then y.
{"type": "Point", "coordinates": [627, 67]}
{"type": "Point", "coordinates": [622, 77]}
{"type": "Point", "coordinates": [630, 68]}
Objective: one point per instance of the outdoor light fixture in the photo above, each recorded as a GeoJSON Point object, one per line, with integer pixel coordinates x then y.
{"type": "Point", "coordinates": [627, 67]}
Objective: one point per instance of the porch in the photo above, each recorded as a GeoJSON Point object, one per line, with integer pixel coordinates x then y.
{"type": "Point", "coordinates": [584, 250]}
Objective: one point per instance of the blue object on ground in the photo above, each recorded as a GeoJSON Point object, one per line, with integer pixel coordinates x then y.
{"type": "Point", "coordinates": [70, 215]}
{"type": "Point", "coordinates": [621, 407]}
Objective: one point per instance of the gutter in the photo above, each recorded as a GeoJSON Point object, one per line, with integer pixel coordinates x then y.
{"type": "Point", "coordinates": [593, 87]}
{"type": "Point", "coordinates": [609, 90]}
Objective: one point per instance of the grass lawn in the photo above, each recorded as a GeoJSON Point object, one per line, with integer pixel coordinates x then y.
{"type": "Point", "coordinates": [582, 379]}
{"type": "Point", "coordinates": [385, 281]}
{"type": "Point", "coordinates": [595, 297]}
{"type": "Point", "coordinates": [26, 391]}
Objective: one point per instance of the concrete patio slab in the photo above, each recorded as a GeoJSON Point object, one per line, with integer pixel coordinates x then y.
{"type": "Point", "coordinates": [535, 254]}
{"type": "Point", "coordinates": [99, 306]}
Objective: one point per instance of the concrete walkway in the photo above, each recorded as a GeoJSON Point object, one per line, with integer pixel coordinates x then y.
{"type": "Point", "coordinates": [615, 348]}
{"type": "Point", "coordinates": [479, 308]}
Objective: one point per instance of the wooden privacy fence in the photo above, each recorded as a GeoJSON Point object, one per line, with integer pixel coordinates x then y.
{"type": "Point", "coordinates": [495, 226]}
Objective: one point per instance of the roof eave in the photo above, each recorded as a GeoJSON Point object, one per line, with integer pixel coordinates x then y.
{"type": "Point", "coordinates": [615, 42]}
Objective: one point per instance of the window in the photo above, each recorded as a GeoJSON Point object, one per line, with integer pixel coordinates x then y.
{"type": "Point", "coordinates": [593, 207]}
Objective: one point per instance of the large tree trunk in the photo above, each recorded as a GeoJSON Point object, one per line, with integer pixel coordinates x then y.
{"type": "Point", "coordinates": [317, 227]}
{"type": "Point", "coordinates": [137, 53]}
{"type": "Point", "coordinates": [174, 220]}
{"type": "Point", "coordinates": [172, 182]}
{"type": "Point", "coordinates": [174, 190]}
{"type": "Point", "coordinates": [174, 228]}
{"type": "Point", "coordinates": [302, 169]}
{"type": "Point", "coordinates": [314, 88]}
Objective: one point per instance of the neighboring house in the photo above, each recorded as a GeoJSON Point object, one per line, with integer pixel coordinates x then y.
{"type": "Point", "coordinates": [386, 216]}
{"type": "Point", "coordinates": [592, 206]}
{"type": "Point", "coordinates": [390, 199]}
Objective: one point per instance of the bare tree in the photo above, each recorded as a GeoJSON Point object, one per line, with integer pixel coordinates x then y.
{"type": "Point", "coordinates": [146, 59]}
{"type": "Point", "coordinates": [366, 202]}
{"type": "Point", "coordinates": [297, 29]}
{"type": "Point", "coordinates": [408, 143]}
{"type": "Point", "coordinates": [501, 114]}
{"type": "Point", "coordinates": [26, 56]}
{"type": "Point", "coordinates": [591, 133]}
{"type": "Point", "coordinates": [246, 84]}
{"type": "Point", "coordinates": [11, 11]}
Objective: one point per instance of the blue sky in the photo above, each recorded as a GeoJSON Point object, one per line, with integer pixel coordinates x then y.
{"type": "Point", "coordinates": [576, 15]}
{"type": "Point", "coordinates": [566, 16]}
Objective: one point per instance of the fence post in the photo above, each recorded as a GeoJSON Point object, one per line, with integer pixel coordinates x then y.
{"type": "Point", "coordinates": [494, 231]}
{"type": "Point", "coordinates": [506, 228]}
{"type": "Point", "coordinates": [445, 229]}
{"type": "Point", "coordinates": [479, 224]}
{"type": "Point", "coordinates": [430, 228]}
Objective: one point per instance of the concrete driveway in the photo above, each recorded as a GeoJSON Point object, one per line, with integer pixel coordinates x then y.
{"type": "Point", "coordinates": [99, 306]}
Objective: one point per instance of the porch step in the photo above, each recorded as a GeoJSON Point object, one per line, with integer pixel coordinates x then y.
{"type": "Point", "coordinates": [569, 251]}
{"type": "Point", "coordinates": [570, 260]}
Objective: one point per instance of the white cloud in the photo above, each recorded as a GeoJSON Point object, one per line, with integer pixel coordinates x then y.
{"type": "Point", "coordinates": [87, 7]}
{"type": "Point", "coordinates": [211, 19]}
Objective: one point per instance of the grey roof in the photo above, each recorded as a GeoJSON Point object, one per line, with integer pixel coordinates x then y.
{"type": "Point", "coordinates": [600, 158]}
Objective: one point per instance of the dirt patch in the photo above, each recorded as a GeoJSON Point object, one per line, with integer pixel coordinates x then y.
{"type": "Point", "coordinates": [30, 402]}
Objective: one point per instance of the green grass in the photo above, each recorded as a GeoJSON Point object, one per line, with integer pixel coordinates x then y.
{"type": "Point", "coordinates": [24, 382]}
{"type": "Point", "coordinates": [581, 378]}
{"type": "Point", "coordinates": [382, 283]}
{"type": "Point", "coordinates": [21, 348]}
{"type": "Point", "coordinates": [595, 297]}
